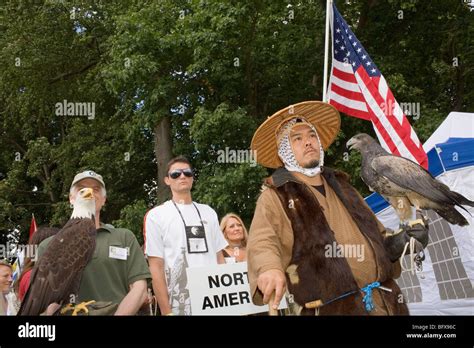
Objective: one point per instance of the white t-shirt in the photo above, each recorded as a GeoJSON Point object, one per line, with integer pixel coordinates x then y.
{"type": "Point", "coordinates": [166, 238]}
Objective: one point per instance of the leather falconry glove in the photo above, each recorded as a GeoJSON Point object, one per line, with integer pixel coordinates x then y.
{"type": "Point", "coordinates": [395, 243]}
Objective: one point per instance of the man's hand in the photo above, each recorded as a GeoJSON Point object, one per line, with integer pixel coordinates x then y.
{"type": "Point", "coordinates": [132, 302]}
{"type": "Point", "coordinates": [157, 269]}
{"type": "Point", "coordinates": [271, 281]}
{"type": "Point", "coordinates": [52, 308]}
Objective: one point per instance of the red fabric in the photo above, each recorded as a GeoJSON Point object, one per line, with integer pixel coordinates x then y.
{"type": "Point", "coordinates": [24, 285]}
{"type": "Point", "coordinates": [33, 227]}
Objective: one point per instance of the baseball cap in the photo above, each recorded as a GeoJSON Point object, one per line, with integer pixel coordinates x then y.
{"type": "Point", "coordinates": [88, 174]}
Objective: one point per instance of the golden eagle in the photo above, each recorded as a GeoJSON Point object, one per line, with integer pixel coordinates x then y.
{"type": "Point", "coordinates": [57, 274]}
{"type": "Point", "coordinates": [404, 183]}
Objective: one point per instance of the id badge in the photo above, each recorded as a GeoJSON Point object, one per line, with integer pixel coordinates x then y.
{"type": "Point", "coordinates": [118, 253]}
{"type": "Point", "coordinates": [196, 239]}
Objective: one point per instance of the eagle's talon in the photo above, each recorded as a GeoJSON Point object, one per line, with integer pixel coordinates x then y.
{"type": "Point", "coordinates": [416, 222]}
{"type": "Point", "coordinates": [403, 225]}
{"type": "Point", "coordinates": [82, 307]}
{"type": "Point", "coordinates": [67, 308]}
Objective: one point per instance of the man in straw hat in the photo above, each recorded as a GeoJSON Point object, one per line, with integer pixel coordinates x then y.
{"type": "Point", "coordinates": [312, 232]}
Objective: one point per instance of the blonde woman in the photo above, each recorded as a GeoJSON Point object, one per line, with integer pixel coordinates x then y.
{"type": "Point", "coordinates": [236, 235]}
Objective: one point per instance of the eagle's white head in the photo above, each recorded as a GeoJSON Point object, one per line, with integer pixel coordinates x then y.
{"type": "Point", "coordinates": [84, 204]}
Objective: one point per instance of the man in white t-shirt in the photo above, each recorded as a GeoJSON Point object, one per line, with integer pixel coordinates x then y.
{"type": "Point", "coordinates": [180, 234]}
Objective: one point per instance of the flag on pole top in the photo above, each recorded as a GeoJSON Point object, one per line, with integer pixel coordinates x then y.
{"type": "Point", "coordinates": [357, 88]}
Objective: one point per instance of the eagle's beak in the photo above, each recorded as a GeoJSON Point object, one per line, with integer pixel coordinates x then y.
{"type": "Point", "coordinates": [88, 193]}
{"type": "Point", "coordinates": [350, 144]}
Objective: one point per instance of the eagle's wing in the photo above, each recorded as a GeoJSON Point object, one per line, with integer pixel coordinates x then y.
{"type": "Point", "coordinates": [410, 176]}
{"type": "Point", "coordinates": [57, 273]}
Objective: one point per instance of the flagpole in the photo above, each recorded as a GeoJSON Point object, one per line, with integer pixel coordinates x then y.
{"type": "Point", "coordinates": [326, 50]}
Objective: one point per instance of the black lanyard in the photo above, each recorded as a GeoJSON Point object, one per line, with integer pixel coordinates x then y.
{"type": "Point", "coordinates": [195, 235]}
{"type": "Point", "coordinates": [181, 215]}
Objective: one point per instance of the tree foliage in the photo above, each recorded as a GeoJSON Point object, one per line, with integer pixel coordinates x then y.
{"type": "Point", "coordinates": [215, 70]}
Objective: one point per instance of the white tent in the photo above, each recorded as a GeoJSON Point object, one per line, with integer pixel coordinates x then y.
{"type": "Point", "coordinates": [445, 286]}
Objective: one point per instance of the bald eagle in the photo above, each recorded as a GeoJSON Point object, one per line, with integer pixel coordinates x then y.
{"type": "Point", "coordinates": [57, 274]}
{"type": "Point", "coordinates": [404, 183]}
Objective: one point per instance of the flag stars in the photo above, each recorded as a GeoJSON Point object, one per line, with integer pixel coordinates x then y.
{"type": "Point", "coordinates": [349, 50]}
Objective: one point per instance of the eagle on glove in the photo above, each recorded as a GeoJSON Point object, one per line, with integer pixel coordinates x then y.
{"type": "Point", "coordinates": [405, 184]}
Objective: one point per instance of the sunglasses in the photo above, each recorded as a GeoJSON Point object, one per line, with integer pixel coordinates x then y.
{"type": "Point", "coordinates": [175, 174]}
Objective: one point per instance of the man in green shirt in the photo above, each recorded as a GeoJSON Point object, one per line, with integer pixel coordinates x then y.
{"type": "Point", "coordinates": [118, 271]}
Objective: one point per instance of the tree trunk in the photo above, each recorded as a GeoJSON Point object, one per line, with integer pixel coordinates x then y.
{"type": "Point", "coordinates": [364, 16]}
{"type": "Point", "coordinates": [459, 90]}
{"type": "Point", "coordinates": [163, 155]}
{"type": "Point", "coordinates": [46, 181]}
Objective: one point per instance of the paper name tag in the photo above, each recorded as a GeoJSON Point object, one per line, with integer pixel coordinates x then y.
{"type": "Point", "coordinates": [197, 245]}
{"type": "Point", "coordinates": [118, 253]}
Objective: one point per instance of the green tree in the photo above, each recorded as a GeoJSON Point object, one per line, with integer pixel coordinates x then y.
{"type": "Point", "coordinates": [194, 78]}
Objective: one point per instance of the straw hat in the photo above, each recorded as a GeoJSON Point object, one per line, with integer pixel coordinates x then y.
{"type": "Point", "coordinates": [323, 116]}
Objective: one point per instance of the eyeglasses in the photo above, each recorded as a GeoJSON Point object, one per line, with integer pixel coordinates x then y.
{"type": "Point", "coordinates": [175, 174]}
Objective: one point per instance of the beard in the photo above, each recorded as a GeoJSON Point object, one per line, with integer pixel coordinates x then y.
{"type": "Point", "coordinates": [311, 164]}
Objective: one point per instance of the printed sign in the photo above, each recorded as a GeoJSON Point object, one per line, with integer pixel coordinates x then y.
{"type": "Point", "coordinates": [222, 290]}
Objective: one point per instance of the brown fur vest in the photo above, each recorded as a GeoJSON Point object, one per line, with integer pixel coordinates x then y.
{"type": "Point", "coordinates": [323, 277]}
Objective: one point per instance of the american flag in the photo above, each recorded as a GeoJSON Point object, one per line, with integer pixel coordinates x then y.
{"type": "Point", "coordinates": [357, 88]}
